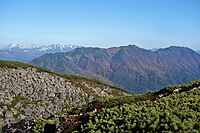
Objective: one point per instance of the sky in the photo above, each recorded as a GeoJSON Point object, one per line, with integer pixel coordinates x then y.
{"type": "Point", "coordinates": [101, 23]}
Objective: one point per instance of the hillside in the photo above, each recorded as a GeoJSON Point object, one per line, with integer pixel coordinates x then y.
{"type": "Point", "coordinates": [172, 109]}
{"type": "Point", "coordinates": [129, 67]}
{"type": "Point", "coordinates": [31, 92]}
{"type": "Point", "coordinates": [174, 113]}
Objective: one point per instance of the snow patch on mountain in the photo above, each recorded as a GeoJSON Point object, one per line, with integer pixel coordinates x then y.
{"type": "Point", "coordinates": [19, 46]}
{"type": "Point", "coordinates": [25, 53]}
{"type": "Point", "coordinates": [27, 48]}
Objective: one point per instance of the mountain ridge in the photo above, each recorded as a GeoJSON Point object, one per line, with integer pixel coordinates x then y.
{"type": "Point", "coordinates": [25, 53]}
{"type": "Point", "coordinates": [129, 67]}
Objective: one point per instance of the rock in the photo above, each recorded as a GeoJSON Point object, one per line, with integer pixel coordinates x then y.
{"type": "Point", "coordinates": [1, 122]}
{"type": "Point", "coordinates": [1, 112]}
{"type": "Point", "coordinates": [22, 116]}
{"type": "Point", "coordinates": [7, 100]}
{"type": "Point", "coordinates": [18, 105]}
{"type": "Point", "coordinates": [24, 126]}
{"type": "Point", "coordinates": [177, 90]}
{"type": "Point", "coordinates": [34, 94]}
{"type": "Point", "coordinates": [8, 114]}
{"type": "Point", "coordinates": [28, 111]}
{"type": "Point", "coordinates": [14, 111]}
{"type": "Point", "coordinates": [5, 107]}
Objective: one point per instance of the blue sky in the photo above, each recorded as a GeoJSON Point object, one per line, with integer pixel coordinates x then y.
{"type": "Point", "coordinates": [101, 23]}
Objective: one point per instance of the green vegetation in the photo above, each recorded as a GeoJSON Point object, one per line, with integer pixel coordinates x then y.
{"type": "Point", "coordinates": [121, 100]}
{"type": "Point", "coordinates": [17, 117]}
{"type": "Point", "coordinates": [1, 115]}
{"type": "Point", "coordinates": [107, 103]}
{"type": "Point", "coordinates": [24, 103]}
{"type": "Point", "coordinates": [19, 99]}
{"type": "Point", "coordinates": [40, 124]}
{"type": "Point", "coordinates": [14, 64]}
{"type": "Point", "coordinates": [174, 113]}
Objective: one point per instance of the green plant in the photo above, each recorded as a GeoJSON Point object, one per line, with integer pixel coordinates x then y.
{"type": "Point", "coordinates": [175, 113]}
{"type": "Point", "coordinates": [40, 124]}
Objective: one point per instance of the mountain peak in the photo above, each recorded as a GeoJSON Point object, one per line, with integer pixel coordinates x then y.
{"type": "Point", "coordinates": [19, 46]}
{"type": "Point", "coordinates": [175, 49]}
{"type": "Point", "coordinates": [130, 67]}
{"type": "Point", "coordinates": [130, 46]}
{"type": "Point", "coordinates": [27, 46]}
{"type": "Point", "coordinates": [25, 53]}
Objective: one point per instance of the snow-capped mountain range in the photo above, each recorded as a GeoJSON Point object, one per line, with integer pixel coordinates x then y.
{"type": "Point", "coordinates": [25, 53]}
{"type": "Point", "coordinates": [28, 48]}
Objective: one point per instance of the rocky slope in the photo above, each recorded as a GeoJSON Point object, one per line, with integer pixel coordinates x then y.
{"type": "Point", "coordinates": [82, 118]}
{"type": "Point", "coordinates": [30, 92]}
{"type": "Point", "coordinates": [129, 67]}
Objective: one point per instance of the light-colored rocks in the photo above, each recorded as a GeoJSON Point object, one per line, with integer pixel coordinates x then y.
{"type": "Point", "coordinates": [22, 116]}
{"type": "Point", "coordinates": [18, 105]}
{"type": "Point", "coordinates": [8, 114]}
{"type": "Point", "coordinates": [1, 112]}
{"type": "Point", "coordinates": [28, 93]}
{"type": "Point", "coordinates": [14, 111]}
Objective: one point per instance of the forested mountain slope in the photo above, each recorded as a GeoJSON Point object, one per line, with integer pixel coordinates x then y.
{"type": "Point", "coordinates": [129, 67]}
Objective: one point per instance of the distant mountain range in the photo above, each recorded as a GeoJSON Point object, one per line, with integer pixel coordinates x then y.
{"type": "Point", "coordinates": [26, 53]}
{"type": "Point", "coordinates": [130, 67]}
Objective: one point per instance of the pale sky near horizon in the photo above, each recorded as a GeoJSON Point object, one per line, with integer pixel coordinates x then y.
{"type": "Point", "coordinates": [101, 23]}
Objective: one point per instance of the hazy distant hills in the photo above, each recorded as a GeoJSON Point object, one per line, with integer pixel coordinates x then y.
{"type": "Point", "coordinates": [26, 53]}
{"type": "Point", "coordinates": [130, 67]}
